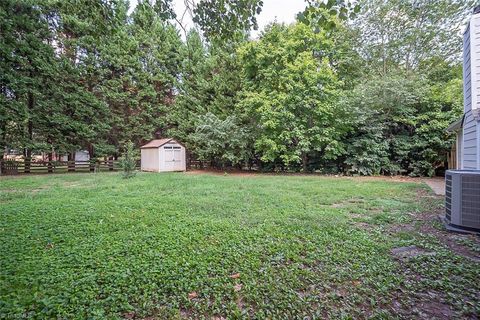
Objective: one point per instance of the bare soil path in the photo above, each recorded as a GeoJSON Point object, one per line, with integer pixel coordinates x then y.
{"type": "Point", "coordinates": [437, 184]}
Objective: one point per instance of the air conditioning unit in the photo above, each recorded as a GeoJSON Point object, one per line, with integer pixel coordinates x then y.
{"type": "Point", "coordinates": [462, 200]}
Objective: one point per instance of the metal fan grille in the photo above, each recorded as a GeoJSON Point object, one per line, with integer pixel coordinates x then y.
{"type": "Point", "coordinates": [470, 200]}
{"type": "Point", "coordinates": [448, 197]}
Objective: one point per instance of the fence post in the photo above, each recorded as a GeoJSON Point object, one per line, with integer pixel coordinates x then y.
{"type": "Point", "coordinates": [110, 163]}
{"type": "Point", "coordinates": [50, 159]}
{"type": "Point", "coordinates": [27, 163]}
{"type": "Point", "coordinates": [71, 166]}
{"type": "Point", "coordinates": [92, 165]}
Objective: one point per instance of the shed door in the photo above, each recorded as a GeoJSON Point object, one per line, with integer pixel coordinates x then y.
{"type": "Point", "coordinates": [173, 158]}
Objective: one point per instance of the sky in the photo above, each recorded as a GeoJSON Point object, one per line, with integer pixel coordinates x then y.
{"type": "Point", "coordinates": [279, 10]}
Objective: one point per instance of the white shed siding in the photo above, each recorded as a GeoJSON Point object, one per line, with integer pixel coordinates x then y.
{"type": "Point", "coordinates": [149, 159]}
{"type": "Point", "coordinates": [162, 155]}
{"type": "Point", "coordinates": [180, 157]}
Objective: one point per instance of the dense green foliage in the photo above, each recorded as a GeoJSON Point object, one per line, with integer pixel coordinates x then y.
{"type": "Point", "coordinates": [364, 89]}
{"type": "Point", "coordinates": [129, 159]}
{"type": "Point", "coordinates": [171, 246]}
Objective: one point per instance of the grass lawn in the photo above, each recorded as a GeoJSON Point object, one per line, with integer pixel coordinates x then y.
{"type": "Point", "coordinates": [173, 246]}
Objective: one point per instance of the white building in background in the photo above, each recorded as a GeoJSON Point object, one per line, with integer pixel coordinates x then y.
{"type": "Point", "coordinates": [80, 156]}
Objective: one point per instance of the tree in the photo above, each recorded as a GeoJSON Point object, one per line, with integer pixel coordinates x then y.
{"type": "Point", "coordinates": [226, 20]}
{"type": "Point", "coordinates": [291, 90]}
{"type": "Point", "coordinates": [384, 109]}
{"type": "Point", "coordinates": [26, 65]}
{"type": "Point", "coordinates": [141, 62]}
{"type": "Point", "coordinates": [128, 162]}
{"type": "Point", "coordinates": [400, 124]}
{"type": "Point", "coordinates": [218, 140]}
{"type": "Point", "coordinates": [411, 49]}
{"type": "Point", "coordinates": [407, 33]}
{"type": "Point", "coordinates": [209, 84]}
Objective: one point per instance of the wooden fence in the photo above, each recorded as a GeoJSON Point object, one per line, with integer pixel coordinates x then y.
{"type": "Point", "coordinates": [10, 167]}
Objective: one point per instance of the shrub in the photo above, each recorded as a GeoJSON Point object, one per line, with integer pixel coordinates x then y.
{"type": "Point", "coordinates": [128, 162]}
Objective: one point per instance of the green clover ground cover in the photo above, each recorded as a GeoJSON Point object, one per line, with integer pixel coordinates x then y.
{"type": "Point", "coordinates": [171, 246]}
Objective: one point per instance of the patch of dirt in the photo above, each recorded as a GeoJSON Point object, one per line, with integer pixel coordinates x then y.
{"type": "Point", "coordinates": [431, 304]}
{"type": "Point", "coordinates": [401, 228]}
{"type": "Point", "coordinates": [424, 306]}
{"type": "Point", "coordinates": [36, 190]}
{"type": "Point", "coordinates": [129, 315]}
{"type": "Point", "coordinates": [427, 222]}
{"type": "Point", "coordinates": [69, 184]}
{"type": "Point", "coordinates": [437, 185]}
{"type": "Point", "coordinates": [308, 291]}
{"type": "Point", "coordinates": [9, 191]}
{"type": "Point", "coordinates": [451, 240]}
{"type": "Point", "coordinates": [363, 225]}
{"type": "Point", "coordinates": [405, 253]}
{"type": "Point", "coordinates": [405, 179]}
{"type": "Point", "coordinates": [185, 314]}
{"type": "Point", "coordinates": [346, 203]}
{"type": "Point", "coordinates": [237, 173]}
{"type": "Point", "coordinates": [240, 303]}
{"type": "Point", "coordinates": [244, 173]}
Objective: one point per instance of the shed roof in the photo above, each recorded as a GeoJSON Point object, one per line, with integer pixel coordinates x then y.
{"type": "Point", "coordinates": [156, 143]}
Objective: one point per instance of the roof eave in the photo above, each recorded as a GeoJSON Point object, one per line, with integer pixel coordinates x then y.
{"type": "Point", "coordinates": [455, 126]}
{"type": "Point", "coordinates": [158, 146]}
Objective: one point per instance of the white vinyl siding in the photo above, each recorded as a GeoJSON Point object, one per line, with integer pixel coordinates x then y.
{"type": "Point", "coordinates": [467, 84]}
{"type": "Point", "coordinates": [469, 151]}
{"type": "Point", "coordinates": [470, 142]}
{"type": "Point", "coordinates": [472, 60]}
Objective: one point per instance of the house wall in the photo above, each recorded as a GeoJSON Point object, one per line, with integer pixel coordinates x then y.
{"type": "Point", "coordinates": [471, 48]}
{"type": "Point", "coordinates": [467, 83]}
{"type": "Point", "coordinates": [470, 147]}
{"type": "Point", "coordinates": [458, 150]}
{"type": "Point", "coordinates": [149, 159]}
{"type": "Point", "coordinates": [470, 142]}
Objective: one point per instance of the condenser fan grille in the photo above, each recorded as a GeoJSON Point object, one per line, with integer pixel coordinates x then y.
{"type": "Point", "coordinates": [471, 200]}
{"type": "Point", "coordinates": [448, 197]}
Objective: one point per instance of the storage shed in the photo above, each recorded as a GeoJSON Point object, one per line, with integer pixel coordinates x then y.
{"type": "Point", "coordinates": [162, 155]}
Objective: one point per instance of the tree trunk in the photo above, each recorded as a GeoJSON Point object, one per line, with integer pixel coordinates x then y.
{"type": "Point", "coordinates": [28, 160]}
{"type": "Point", "coordinates": [28, 150]}
{"type": "Point", "coordinates": [71, 161]}
{"type": "Point", "coordinates": [304, 162]}
{"type": "Point", "coordinates": [50, 159]}
{"type": "Point", "coordinates": [92, 160]}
